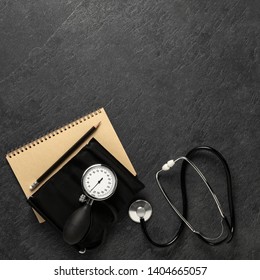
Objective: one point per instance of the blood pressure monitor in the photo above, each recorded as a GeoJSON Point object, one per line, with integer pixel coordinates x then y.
{"type": "Point", "coordinates": [99, 182]}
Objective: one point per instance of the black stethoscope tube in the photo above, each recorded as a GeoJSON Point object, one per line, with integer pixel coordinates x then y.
{"type": "Point", "coordinates": [229, 225]}
{"type": "Point", "coordinates": [181, 226]}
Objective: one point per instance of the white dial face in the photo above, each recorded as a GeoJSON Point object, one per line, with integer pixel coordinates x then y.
{"type": "Point", "coordinates": [99, 182]}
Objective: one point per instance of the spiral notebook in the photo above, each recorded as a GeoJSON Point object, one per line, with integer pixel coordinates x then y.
{"type": "Point", "coordinates": [33, 159]}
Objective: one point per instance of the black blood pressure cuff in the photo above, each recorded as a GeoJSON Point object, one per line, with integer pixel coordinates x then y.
{"type": "Point", "coordinates": [59, 197]}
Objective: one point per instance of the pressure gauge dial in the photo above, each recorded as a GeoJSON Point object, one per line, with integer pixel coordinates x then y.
{"type": "Point", "coordinates": [99, 182]}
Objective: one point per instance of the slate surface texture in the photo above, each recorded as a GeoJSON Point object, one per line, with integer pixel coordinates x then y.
{"type": "Point", "coordinates": [171, 75]}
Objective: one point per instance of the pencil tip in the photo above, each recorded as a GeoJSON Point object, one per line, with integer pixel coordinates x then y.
{"type": "Point", "coordinates": [96, 126]}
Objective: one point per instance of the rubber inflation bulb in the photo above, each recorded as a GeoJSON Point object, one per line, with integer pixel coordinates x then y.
{"type": "Point", "coordinates": [77, 225]}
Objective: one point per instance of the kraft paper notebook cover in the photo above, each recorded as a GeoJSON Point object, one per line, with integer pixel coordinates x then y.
{"type": "Point", "coordinates": [33, 159]}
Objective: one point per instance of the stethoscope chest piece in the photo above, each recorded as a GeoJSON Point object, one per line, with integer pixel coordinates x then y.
{"type": "Point", "coordinates": [140, 209]}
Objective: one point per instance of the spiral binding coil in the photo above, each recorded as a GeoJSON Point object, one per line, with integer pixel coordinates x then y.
{"type": "Point", "coordinates": [51, 134]}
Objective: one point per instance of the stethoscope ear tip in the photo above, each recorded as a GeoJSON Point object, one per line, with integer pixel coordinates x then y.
{"type": "Point", "coordinates": [140, 209]}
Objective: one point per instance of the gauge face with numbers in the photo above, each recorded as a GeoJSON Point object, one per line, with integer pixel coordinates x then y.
{"type": "Point", "coordinates": [99, 182]}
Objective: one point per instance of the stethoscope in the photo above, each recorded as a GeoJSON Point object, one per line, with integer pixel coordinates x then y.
{"type": "Point", "coordinates": [140, 211]}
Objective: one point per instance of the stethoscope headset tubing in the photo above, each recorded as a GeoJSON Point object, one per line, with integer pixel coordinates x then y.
{"type": "Point", "coordinates": [183, 216]}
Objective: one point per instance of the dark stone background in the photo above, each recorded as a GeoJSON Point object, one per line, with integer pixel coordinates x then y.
{"type": "Point", "coordinates": [171, 75]}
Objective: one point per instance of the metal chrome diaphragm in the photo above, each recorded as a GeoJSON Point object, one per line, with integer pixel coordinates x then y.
{"type": "Point", "coordinates": [140, 209]}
